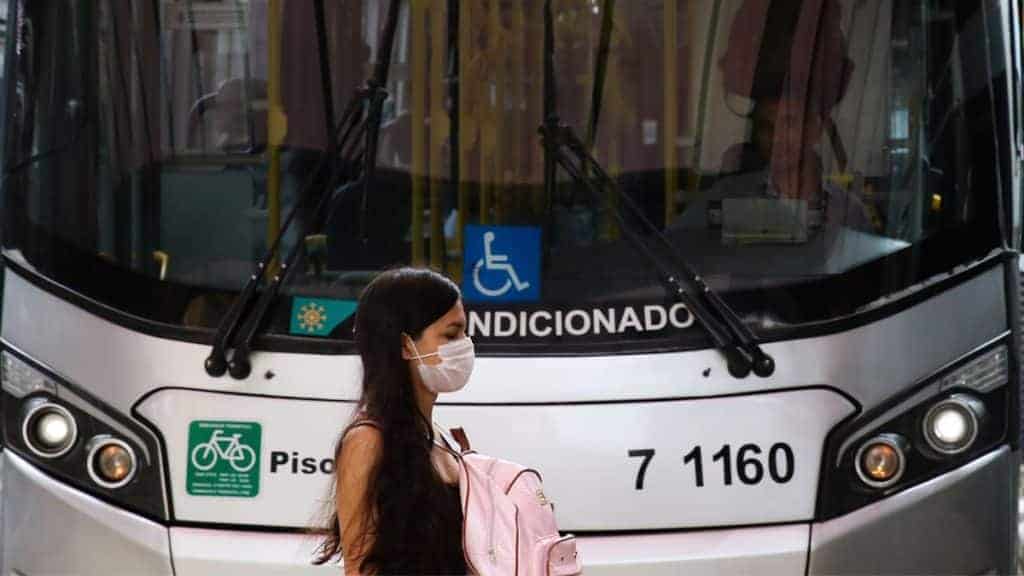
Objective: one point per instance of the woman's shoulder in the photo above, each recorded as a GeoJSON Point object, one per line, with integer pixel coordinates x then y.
{"type": "Point", "coordinates": [360, 443]}
{"type": "Point", "coordinates": [361, 428]}
{"type": "Point", "coordinates": [361, 433]}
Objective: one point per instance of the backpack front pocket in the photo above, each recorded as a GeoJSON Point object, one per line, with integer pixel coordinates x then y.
{"type": "Point", "coordinates": [559, 556]}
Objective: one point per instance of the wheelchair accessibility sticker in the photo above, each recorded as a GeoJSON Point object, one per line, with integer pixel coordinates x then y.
{"type": "Point", "coordinates": [501, 264]}
{"type": "Point", "coordinates": [223, 459]}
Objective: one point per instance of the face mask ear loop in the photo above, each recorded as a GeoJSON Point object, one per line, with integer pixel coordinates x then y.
{"type": "Point", "coordinates": [418, 356]}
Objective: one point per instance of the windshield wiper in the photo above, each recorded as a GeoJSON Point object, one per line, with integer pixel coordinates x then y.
{"type": "Point", "coordinates": [359, 124]}
{"type": "Point", "coordinates": [564, 148]}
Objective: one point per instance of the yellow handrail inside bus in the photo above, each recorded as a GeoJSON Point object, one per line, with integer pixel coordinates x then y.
{"type": "Point", "coordinates": [164, 259]}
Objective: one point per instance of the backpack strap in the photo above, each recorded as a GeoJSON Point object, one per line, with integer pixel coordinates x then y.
{"type": "Point", "coordinates": [460, 436]}
{"type": "Point", "coordinates": [442, 440]}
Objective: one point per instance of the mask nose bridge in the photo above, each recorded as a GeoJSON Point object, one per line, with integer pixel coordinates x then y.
{"type": "Point", "coordinates": [452, 373]}
{"type": "Point", "coordinates": [457, 348]}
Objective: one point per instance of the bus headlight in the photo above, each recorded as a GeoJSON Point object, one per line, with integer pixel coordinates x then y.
{"type": "Point", "coordinates": [948, 419]}
{"type": "Point", "coordinates": [78, 440]}
{"type": "Point", "coordinates": [881, 460]}
{"type": "Point", "coordinates": [48, 429]}
{"type": "Point", "coordinates": [951, 425]}
{"type": "Point", "coordinates": [111, 462]}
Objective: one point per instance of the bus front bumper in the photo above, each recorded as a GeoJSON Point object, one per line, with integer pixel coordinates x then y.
{"type": "Point", "coordinates": [958, 523]}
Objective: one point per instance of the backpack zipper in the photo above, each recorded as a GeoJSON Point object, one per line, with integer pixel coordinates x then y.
{"type": "Point", "coordinates": [520, 473]}
{"type": "Point", "coordinates": [517, 542]}
{"type": "Point", "coordinates": [465, 509]}
{"type": "Point", "coordinates": [541, 498]}
{"type": "Point", "coordinates": [494, 515]}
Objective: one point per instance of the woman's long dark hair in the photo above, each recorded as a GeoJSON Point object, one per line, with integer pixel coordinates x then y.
{"type": "Point", "coordinates": [412, 522]}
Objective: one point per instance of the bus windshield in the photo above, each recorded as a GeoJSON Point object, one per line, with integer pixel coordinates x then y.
{"type": "Point", "coordinates": [808, 158]}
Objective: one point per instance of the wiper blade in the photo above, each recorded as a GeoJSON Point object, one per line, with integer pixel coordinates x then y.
{"type": "Point", "coordinates": [564, 148]}
{"type": "Point", "coordinates": [728, 332]}
{"type": "Point", "coordinates": [355, 169]}
{"type": "Point", "coordinates": [216, 362]}
{"type": "Point", "coordinates": [239, 367]}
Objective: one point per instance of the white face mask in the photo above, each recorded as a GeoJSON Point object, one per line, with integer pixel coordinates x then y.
{"type": "Point", "coordinates": [453, 372]}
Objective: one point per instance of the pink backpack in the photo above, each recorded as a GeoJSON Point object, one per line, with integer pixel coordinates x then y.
{"type": "Point", "coordinates": [509, 525]}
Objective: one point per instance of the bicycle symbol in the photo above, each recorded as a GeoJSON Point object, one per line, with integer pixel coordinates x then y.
{"type": "Point", "coordinates": [496, 263]}
{"type": "Point", "coordinates": [206, 455]}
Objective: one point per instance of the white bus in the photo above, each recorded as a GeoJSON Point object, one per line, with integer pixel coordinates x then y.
{"type": "Point", "coordinates": [742, 274]}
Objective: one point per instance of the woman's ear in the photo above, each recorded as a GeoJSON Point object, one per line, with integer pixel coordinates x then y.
{"type": "Point", "coordinates": [407, 350]}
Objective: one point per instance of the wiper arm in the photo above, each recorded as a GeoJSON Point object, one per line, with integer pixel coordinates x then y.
{"type": "Point", "coordinates": [727, 331]}
{"type": "Point", "coordinates": [239, 367]}
{"type": "Point", "coordinates": [360, 120]}
{"type": "Point", "coordinates": [564, 148]}
{"type": "Point", "coordinates": [216, 363]}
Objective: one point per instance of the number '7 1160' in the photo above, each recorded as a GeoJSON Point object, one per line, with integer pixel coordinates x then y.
{"type": "Point", "coordinates": [749, 464]}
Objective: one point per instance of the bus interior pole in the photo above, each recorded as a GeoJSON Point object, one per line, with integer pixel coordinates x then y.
{"type": "Point", "coordinates": [377, 89]}
{"type": "Point", "coordinates": [165, 82]}
{"type": "Point", "coordinates": [418, 126]}
{"type": "Point", "coordinates": [670, 90]}
{"type": "Point", "coordinates": [316, 244]}
{"type": "Point", "coordinates": [197, 70]}
{"type": "Point", "coordinates": [600, 71]}
{"type": "Point", "coordinates": [438, 129]}
{"type": "Point", "coordinates": [276, 123]}
{"type": "Point", "coordinates": [460, 167]}
{"type": "Point", "coordinates": [485, 127]}
{"type": "Point", "coordinates": [243, 26]}
{"type": "Point", "coordinates": [496, 119]}
{"type": "Point", "coordinates": [326, 85]}
{"type": "Point", "coordinates": [551, 120]}
{"type": "Point", "coordinates": [703, 99]}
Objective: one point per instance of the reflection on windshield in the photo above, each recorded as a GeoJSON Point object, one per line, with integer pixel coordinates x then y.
{"type": "Point", "coordinates": [775, 143]}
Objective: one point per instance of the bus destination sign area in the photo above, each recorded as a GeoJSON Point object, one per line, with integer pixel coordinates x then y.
{"type": "Point", "coordinates": [553, 323]}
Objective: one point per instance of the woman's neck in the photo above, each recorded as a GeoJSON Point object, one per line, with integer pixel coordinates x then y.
{"type": "Point", "coordinates": [425, 400]}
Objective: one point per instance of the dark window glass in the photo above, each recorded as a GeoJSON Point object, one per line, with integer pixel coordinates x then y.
{"type": "Point", "coordinates": [808, 158]}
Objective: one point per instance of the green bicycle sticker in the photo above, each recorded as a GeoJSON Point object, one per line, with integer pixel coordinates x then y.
{"type": "Point", "coordinates": [223, 459]}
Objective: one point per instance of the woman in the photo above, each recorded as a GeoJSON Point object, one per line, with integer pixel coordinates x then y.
{"type": "Point", "coordinates": [397, 507]}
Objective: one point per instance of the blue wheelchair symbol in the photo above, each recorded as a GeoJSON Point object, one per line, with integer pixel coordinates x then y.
{"type": "Point", "coordinates": [501, 264]}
